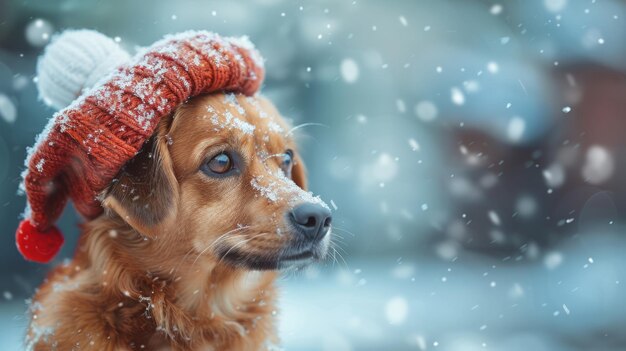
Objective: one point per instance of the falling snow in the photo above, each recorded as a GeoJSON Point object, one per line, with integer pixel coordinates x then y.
{"type": "Point", "coordinates": [396, 310]}
{"type": "Point", "coordinates": [426, 111]}
{"type": "Point", "coordinates": [8, 111]}
{"type": "Point", "coordinates": [349, 70]}
{"type": "Point", "coordinates": [472, 161]}
{"type": "Point", "coordinates": [516, 128]}
{"type": "Point", "coordinates": [457, 96]}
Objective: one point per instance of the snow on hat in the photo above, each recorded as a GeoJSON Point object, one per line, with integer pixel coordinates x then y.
{"type": "Point", "coordinates": [85, 144]}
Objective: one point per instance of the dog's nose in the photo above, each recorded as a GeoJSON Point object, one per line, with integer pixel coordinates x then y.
{"type": "Point", "coordinates": [312, 220]}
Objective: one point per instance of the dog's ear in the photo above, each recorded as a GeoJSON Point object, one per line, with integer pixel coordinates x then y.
{"type": "Point", "coordinates": [145, 192]}
{"type": "Point", "coordinates": [298, 173]}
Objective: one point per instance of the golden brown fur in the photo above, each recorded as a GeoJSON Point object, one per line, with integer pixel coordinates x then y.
{"type": "Point", "coordinates": [154, 272]}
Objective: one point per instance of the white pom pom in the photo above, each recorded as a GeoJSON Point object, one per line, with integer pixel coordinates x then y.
{"type": "Point", "coordinates": [74, 62]}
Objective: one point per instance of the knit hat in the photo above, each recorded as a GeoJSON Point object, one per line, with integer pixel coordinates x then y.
{"type": "Point", "coordinates": [115, 103]}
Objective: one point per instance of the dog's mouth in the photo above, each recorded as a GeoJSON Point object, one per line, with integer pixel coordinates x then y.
{"type": "Point", "coordinates": [305, 255]}
{"type": "Point", "coordinates": [299, 259]}
{"type": "Point", "coordinates": [290, 257]}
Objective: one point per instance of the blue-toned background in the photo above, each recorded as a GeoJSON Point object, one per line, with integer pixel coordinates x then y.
{"type": "Point", "coordinates": [475, 152]}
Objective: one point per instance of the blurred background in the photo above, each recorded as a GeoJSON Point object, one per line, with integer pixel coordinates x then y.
{"type": "Point", "coordinates": [473, 152]}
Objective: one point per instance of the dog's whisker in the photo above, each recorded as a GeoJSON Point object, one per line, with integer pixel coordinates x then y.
{"type": "Point", "coordinates": [341, 248]}
{"type": "Point", "coordinates": [337, 253]}
{"type": "Point", "coordinates": [239, 244]}
{"type": "Point", "coordinates": [343, 259]}
{"type": "Point", "coordinates": [215, 242]}
{"type": "Point", "coordinates": [338, 246]}
{"type": "Point", "coordinates": [175, 269]}
{"type": "Point", "coordinates": [339, 237]}
{"type": "Point", "coordinates": [334, 254]}
{"type": "Point", "coordinates": [228, 234]}
{"type": "Point", "coordinates": [305, 125]}
{"type": "Point", "coordinates": [343, 230]}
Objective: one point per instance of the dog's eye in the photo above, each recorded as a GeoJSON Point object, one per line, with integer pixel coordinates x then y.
{"type": "Point", "coordinates": [220, 164]}
{"type": "Point", "coordinates": [287, 164]}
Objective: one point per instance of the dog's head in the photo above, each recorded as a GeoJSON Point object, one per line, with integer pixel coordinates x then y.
{"type": "Point", "coordinates": [222, 179]}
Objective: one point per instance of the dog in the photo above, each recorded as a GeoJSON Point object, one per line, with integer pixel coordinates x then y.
{"type": "Point", "coordinates": [195, 231]}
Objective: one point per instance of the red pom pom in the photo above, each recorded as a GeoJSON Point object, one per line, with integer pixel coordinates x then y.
{"type": "Point", "coordinates": [36, 245]}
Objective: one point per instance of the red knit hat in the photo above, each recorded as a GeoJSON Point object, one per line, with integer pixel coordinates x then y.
{"type": "Point", "coordinates": [85, 145]}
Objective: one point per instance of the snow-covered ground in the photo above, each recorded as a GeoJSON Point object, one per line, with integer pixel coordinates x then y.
{"type": "Point", "coordinates": [566, 300]}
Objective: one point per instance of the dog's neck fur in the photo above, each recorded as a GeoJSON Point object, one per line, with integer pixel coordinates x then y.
{"type": "Point", "coordinates": [184, 300]}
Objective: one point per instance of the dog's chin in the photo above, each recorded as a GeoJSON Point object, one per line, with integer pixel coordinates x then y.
{"type": "Point", "coordinates": [290, 257]}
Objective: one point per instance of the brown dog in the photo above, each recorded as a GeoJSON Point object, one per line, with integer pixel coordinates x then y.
{"type": "Point", "coordinates": [185, 257]}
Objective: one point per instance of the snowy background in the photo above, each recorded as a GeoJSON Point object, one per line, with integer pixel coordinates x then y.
{"type": "Point", "coordinates": [475, 152]}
